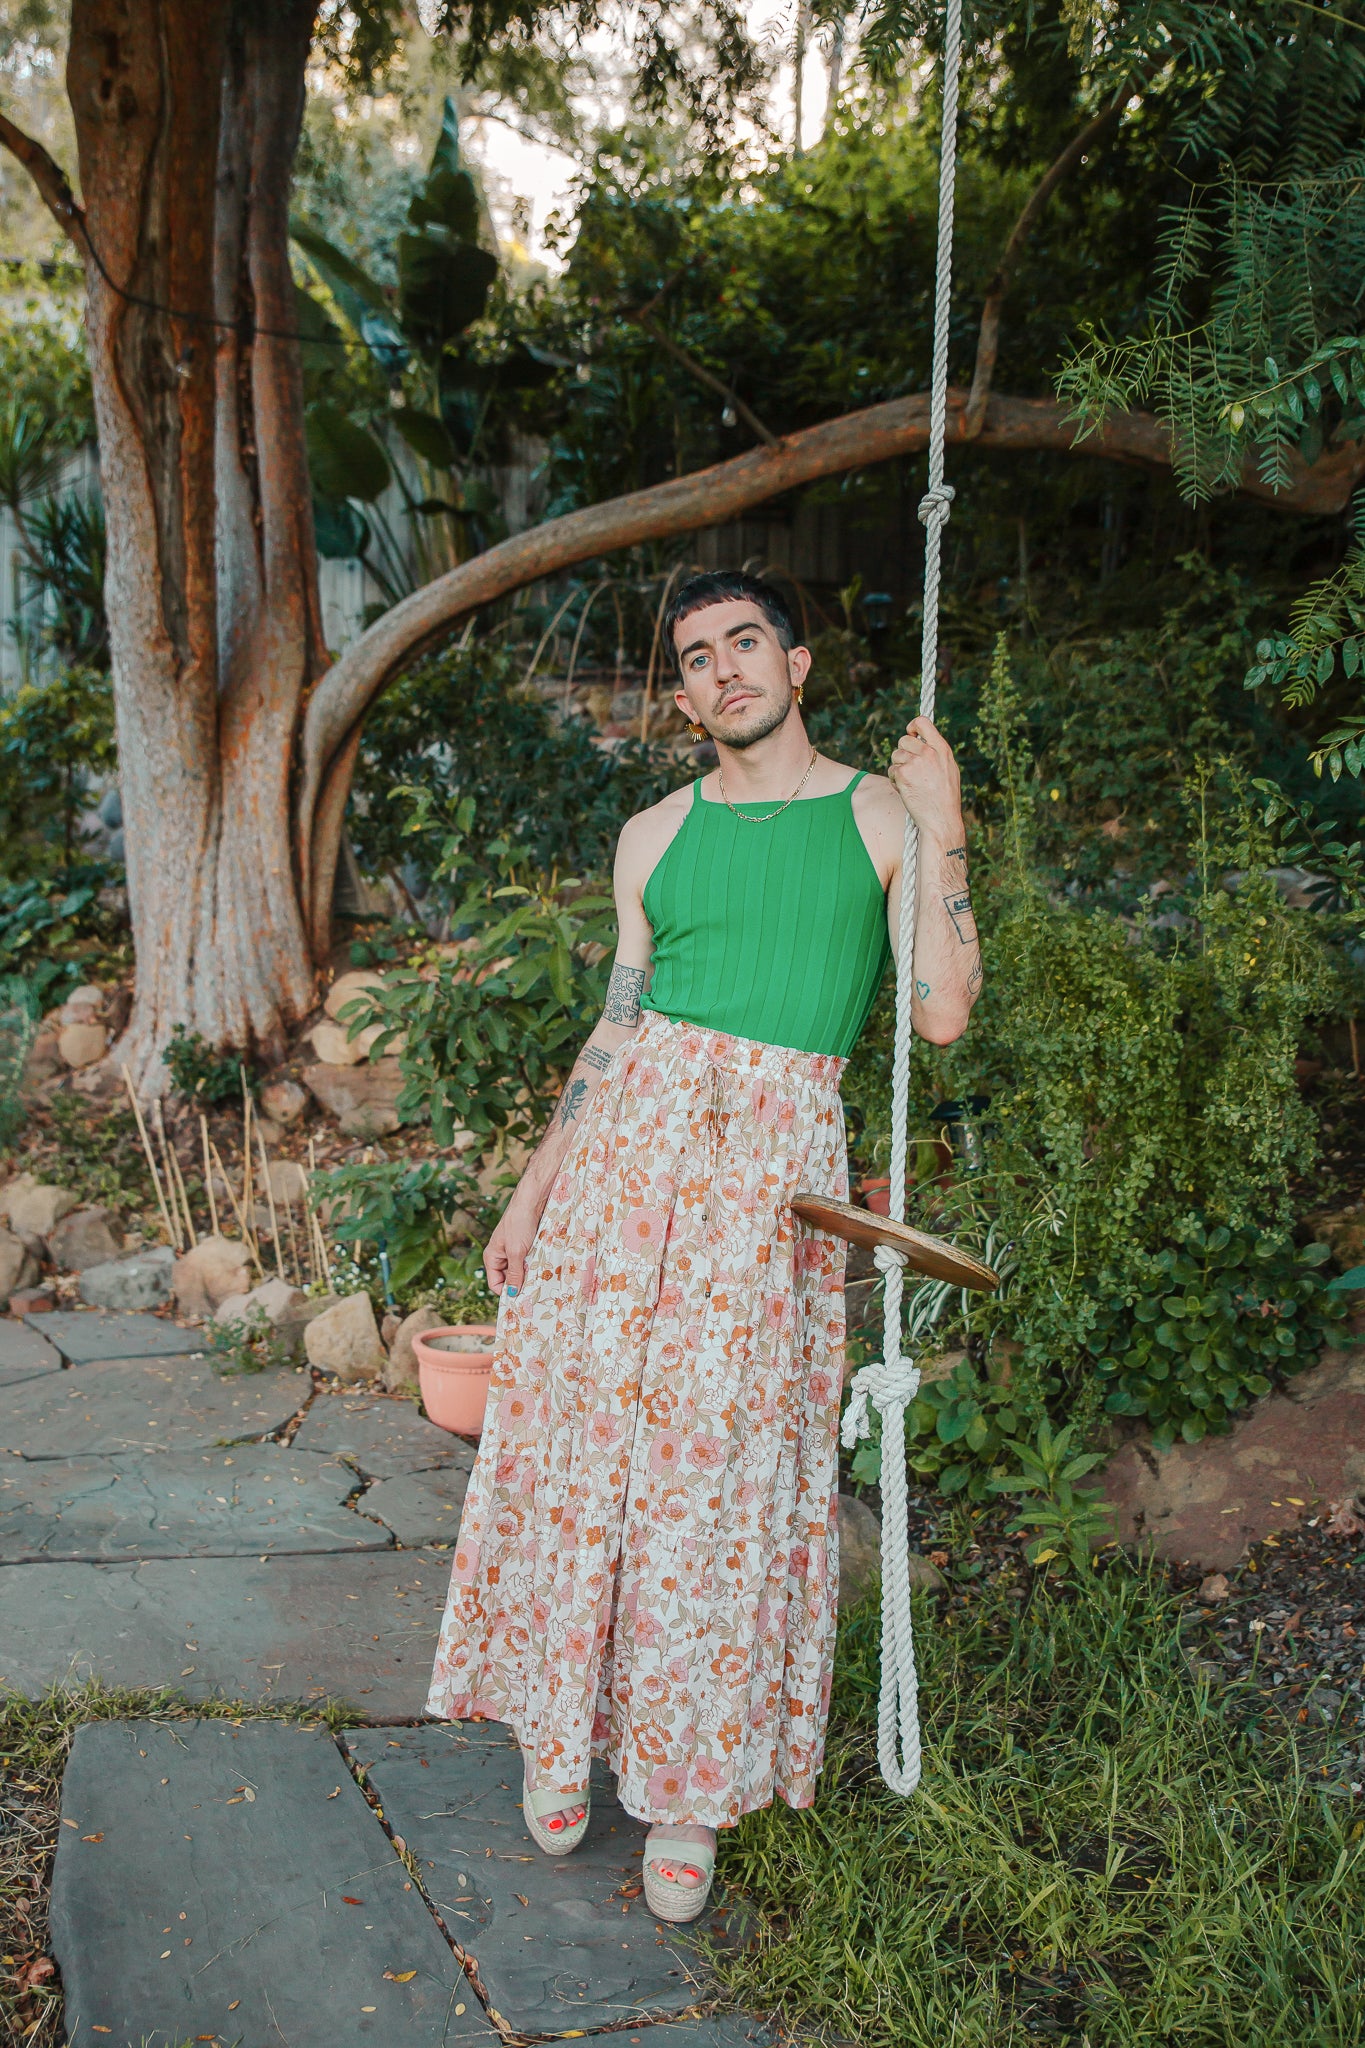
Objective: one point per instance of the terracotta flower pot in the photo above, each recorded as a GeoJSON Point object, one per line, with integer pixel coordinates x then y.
{"type": "Point", "coordinates": [453, 1368]}
{"type": "Point", "coordinates": [876, 1195]}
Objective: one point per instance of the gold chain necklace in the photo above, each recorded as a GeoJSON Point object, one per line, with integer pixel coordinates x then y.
{"type": "Point", "coordinates": [768, 818]}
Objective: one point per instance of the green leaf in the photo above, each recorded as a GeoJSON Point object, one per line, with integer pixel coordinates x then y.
{"type": "Point", "coordinates": [426, 435]}
{"type": "Point", "coordinates": [443, 286]}
{"type": "Point", "coordinates": [346, 460]}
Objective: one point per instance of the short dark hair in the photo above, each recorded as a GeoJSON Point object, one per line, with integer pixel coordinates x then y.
{"type": "Point", "coordinates": [722, 586]}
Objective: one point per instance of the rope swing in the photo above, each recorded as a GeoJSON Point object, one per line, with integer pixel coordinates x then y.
{"type": "Point", "coordinates": [890, 1384]}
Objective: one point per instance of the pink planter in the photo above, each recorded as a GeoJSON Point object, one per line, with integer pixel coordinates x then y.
{"type": "Point", "coordinates": [453, 1368]}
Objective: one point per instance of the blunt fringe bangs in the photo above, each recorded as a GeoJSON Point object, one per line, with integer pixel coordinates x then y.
{"type": "Point", "coordinates": [722, 586]}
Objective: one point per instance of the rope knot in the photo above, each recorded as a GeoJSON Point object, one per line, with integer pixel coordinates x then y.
{"type": "Point", "coordinates": [887, 1258]}
{"type": "Point", "coordinates": [936, 505]}
{"type": "Point", "coordinates": [884, 1384]}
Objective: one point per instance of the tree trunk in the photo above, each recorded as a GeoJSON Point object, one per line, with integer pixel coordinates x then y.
{"type": "Point", "coordinates": [237, 743]}
{"type": "Point", "coordinates": [186, 123]}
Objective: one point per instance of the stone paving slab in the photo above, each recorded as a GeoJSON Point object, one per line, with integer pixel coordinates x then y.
{"type": "Point", "coordinates": [147, 1405]}
{"type": "Point", "coordinates": [385, 1438]}
{"type": "Point", "coordinates": [581, 1952]}
{"type": "Point", "coordinates": [185, 1909]}
{"type": "Point", "coordinates": [359, 1625]}
{"type": "Point", "coordinates": [252, 1500]}
{"type": "Point", "coordinates": [24, 1354]}
{"type": "Point", "coordinates": [424, 1508]}
{"type": "Point", "coordinates": [85, 1334]}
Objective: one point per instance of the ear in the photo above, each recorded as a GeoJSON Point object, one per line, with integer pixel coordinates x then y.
{"type": "Point", "coordinates": [798, 665]}
{"type": "Point", "coordinates": [680, 699]}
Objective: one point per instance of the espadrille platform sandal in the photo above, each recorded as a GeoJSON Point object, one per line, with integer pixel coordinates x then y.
{"type": "Point", "coordinates": [665, 1897]}
{"type": "Point", "coordinates": [538, 1811]}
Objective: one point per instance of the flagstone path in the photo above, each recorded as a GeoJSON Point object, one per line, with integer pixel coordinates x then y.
{"type": "Point", "coordinates": [263, 1884]}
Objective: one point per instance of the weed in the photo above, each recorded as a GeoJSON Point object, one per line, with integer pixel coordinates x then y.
{"type": "Point", "coordinates": [248, 1343]}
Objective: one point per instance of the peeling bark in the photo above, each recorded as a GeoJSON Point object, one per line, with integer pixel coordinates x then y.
{"type": "Point", "coordinates": [186, 124]}
{"type": "Point", "coordinates": [237, 742]}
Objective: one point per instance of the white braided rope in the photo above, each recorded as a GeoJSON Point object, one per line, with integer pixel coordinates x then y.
{"type": "Point", "coordinates": [890, 1384]}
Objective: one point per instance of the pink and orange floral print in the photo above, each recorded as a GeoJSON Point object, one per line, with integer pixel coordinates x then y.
{"type": "Point", "coordinates": [647, 1565]}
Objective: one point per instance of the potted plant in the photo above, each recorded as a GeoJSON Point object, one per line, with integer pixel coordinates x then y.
{"type": "Point", "coordinates": [453, 1366]}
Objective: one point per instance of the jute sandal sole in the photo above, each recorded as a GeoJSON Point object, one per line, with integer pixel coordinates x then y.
{"type": "Point", "coordinates": [679, 1903]}
{"type": "Point", "coordinates": [560, 1843]}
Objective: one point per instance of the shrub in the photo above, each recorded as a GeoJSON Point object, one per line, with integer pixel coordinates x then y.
{"type": "Point", "coordinates": [1207, 1327]}
{"type": "Point", "coordinates": [1143, 1099]}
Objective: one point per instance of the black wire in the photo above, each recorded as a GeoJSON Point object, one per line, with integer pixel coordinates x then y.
{"type": "Point", "coordinates": [245, 328]}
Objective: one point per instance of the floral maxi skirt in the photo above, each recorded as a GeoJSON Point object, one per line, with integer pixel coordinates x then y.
{"type": "Point", "coordinates": [647, 1564]}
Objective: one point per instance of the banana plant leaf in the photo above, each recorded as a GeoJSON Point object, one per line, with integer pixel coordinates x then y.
{"type": "Point", "coordinates": [443, 286]}
{"type": "Point", "coordinates": [426, 435]}
{"type": "Point", "coordinates": [345, 459]}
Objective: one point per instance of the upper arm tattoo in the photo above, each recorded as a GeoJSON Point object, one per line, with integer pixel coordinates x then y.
{"type": "Point", "coordinates": [623, 995]}
{"type": "Point", "coordinates": [959, 909]}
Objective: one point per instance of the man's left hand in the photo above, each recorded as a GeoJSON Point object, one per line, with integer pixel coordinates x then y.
{"type": "Point", "coordinates": [926, 777]}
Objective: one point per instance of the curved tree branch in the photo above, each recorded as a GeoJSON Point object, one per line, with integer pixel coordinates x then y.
{"type": "Point", "coordinates": [710, 497]}
{"type": "Point", "coordinates": [704, 376]}
{"type": "Point", "coordinates": [48, 175]}
{"type": "Point", "coordinates": [988, 338]}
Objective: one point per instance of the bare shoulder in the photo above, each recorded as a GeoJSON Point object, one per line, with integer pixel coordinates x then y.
{"type": "Point", "coordinates": [880, 817]}
{"type": "Point", "coordinates": [646, 836]}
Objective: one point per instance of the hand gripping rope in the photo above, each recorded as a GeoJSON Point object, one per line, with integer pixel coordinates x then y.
{"type": "Point", "coordinates": [891, 1383]}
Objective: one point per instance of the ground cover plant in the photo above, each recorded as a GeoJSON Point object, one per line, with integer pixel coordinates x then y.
{"type": "Point", "coordinates": [1109, 1846]}
{"type": "Point", "coordinates": [1106, 1848]}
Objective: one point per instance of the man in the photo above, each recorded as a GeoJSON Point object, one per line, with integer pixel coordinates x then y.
{"type": "Point", "coordinates": [647, 1564]}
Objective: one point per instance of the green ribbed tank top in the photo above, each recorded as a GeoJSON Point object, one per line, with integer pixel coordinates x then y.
{"type": "Point", "coordinates": [773, 931]}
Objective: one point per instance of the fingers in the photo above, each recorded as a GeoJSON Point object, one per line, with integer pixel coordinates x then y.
{"type": "Point", "coordinates": [515, 1271]}
{"type": "Point", "coordinates": [495, 1264]}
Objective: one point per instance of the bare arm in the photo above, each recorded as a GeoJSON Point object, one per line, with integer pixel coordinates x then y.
{"type": "Point", "coordinates": [505, 1253]}
{"type": "Point", "coordinates": [948, 969]}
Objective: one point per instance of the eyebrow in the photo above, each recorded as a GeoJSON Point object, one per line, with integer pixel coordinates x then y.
{"type": "Point", "coordinates": [745, 626]}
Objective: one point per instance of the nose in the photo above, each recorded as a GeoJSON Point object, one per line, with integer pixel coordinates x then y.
{"type": "Point", "coordinates": [727, 668]}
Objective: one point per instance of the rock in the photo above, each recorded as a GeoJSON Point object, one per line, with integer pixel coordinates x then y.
{"type": "Point", "coordinates": [43, 1060]}
{"type": "Point", "coordinates": [83, 1005]}
{"type": "Point", "coordinates": [860, 1553]}
{"type": "Point", "coordinates": [210, 1274]}
{"type": "Point", "coordinates": [1213, 1589]}
{"type": "Point", "coordinates": [80, 1045]}
{"type": "Point", "coordinates": [32, 1301]}
{"type": "Point", "coordinates": [345, 1339]}
{"type": "Point", "coordinates": [284, 1101]}
{"type": "Point", "coordinates": [18, 1267]}
{"type": "Point", "coordinates": [288, 1184]}
{"type": "Point", "coordinates": [287, 1309]}
{"type": "Point", "coordinates": [1203, 1503]}
{"type": "Point", "coordinates": [332, 1046]}
{"type": "Point", "coordinates": [361, 1098]}
{"type": "Point", "coordinates": [87, 1237]}
{"type": "Point", "coordinates": [144, 1281]}
{"type": "Point", "coordinates": [400, 1372]}
{"type": "Point", "coordinates": [270, 1131]}
{"type": "Point", "coordinates": [347, 987]}
{"type": "Point", "coordinates": [39, 1206]}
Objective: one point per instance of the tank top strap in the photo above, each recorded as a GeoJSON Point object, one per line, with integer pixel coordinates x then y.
{"type": "Point", "coordinates": [849, 788]}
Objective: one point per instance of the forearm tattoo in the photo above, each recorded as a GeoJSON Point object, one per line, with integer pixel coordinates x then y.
{"type": "Point", "coordinates": [974, 978]}
{"type": "Point", "coordinates": [624, 990]}
{"type": "Point", "coordinates": [959, 908]}
{"type": "Point", "coordinates": [570, 1102]}
{"type": "Point", "coordinates": [595, 1056]}
{"type": "Point", "coordinates": [957, 853]}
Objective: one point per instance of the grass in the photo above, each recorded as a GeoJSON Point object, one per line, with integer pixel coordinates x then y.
{"type": "Point", "coordinates": [1103, 1850]}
